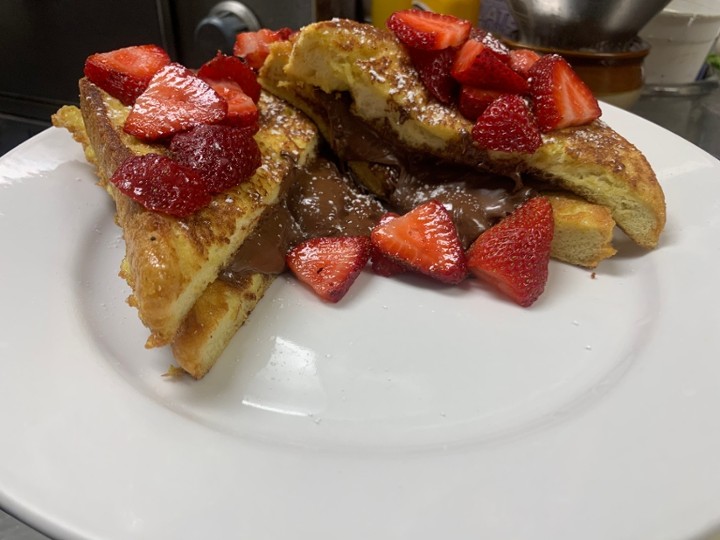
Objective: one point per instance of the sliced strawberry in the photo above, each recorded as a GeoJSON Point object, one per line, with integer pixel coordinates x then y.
{"type": "Point", "coordinates": [473, 101]}
{"type": "Point", "coordinates": [174, 101]}
{"type": "Point", "coordinates": [561, 98]}
{"type": "Point", "coordinates": [428, 30]}
{"type": "Point", "coordinates": [477, 64]}
{"type": "Point", "coordinates": [161, 184]}
{"type": "Point", "coordinates": [380, 263]}
{"type": "Point", "coordinates": [125, 73]}
{"type": "Point", "coordinates": [225, 156]}
{"type": "Point", "coordinates": [489, 40]}
{"type": "Point", "coordinates": [424, 240]}
{"type": "Point", "coordinates": [223, 67]}
{"type": "Point", "coordinates": [507, 125]}
{"type": "Point", "coordinates": [521, 60]}
{"type": "Point", "coordinates": [513, 256]}
{"type": "Point", "coordinates": [254, 47]}
{"type": "Point", "coordinates": [434, 67]}
{"type": "Point", "coordinates": [329, 265]}
{"type": "Point", "coordinates": [242, 111]}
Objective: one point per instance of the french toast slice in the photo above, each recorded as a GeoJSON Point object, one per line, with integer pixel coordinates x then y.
{"type": "Point", "coordinates": [171, 264]}
{"type": "Point", "coordinates": [374, 69]}
{"type": "Point", "coordinates": [584, 231]}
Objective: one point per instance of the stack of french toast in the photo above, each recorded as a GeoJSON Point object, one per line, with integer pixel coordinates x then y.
{"type": "Point", "coordinates": [347, 139]}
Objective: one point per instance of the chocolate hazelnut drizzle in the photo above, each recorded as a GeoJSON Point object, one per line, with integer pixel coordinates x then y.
{"type": "Point", "coordinates": [318, 201]}
{"type": "Point", "coordinates": [475, 199]}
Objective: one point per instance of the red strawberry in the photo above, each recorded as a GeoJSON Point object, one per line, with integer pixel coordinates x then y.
{"type": "Point", "coordinates": [507, 125]}
{"type": "Point", "coordinates": [476, 64]}
{"type": "Point", "coordinates": [380, 263]}
{"type": "Point", "coordinates": [489, 40]}
{"type": "Point", "coordinates": [561, 99]}
{"type": "Point", "coordinates": [174, 101]}
{"type": "Point", "coordinates": [224, 67]}
{"type": "Point", "coordinates": [428, 30]}
{"type": "Point", "coordinates": [254, 47]}
{"type": "Point", "coordinates": [225, 156]}
{"type": "Point", "coordinates": [433, 67]}
{"type": "Point", "coordinates": [473, 101]}
{"type": "Point", "coordinates": [161, 184]}
{"type": "Point", "coordinates": [242, 111]}
{"type": "Point", "coordinates": [329, 265]}
{"type": "Point", "coordinates": [513, 255]}
{"type": "Point", "coordinates": [425, 240]}
{"type": "Point", "coordinates": [125, 73]}
{"type": "Point", "coordinates": [521, 60]}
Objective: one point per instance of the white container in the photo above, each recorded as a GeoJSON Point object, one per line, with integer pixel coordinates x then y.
{"type": "Point", "coordinates": [680, 36]}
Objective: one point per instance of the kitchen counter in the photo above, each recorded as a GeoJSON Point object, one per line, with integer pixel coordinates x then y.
{"type": "Point", "coordinates": [694, 115]}
{"type": "Point", "coordinates": [692, 112]}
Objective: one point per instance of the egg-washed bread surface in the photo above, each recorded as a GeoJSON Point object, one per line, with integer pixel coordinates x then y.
{"type": "Point", "coordinates": [221, 309]}
{"type": "Point", "coordinates": [170, 262]}
{"type": "Point", "coordinates": [592, 161]}
{"type": "Point", "coordinates": [583, 230]}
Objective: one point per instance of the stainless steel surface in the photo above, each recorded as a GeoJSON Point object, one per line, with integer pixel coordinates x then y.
{"type": "Point", "coordinates": [12, 529]}
{"type": "Point", "coordinates": [579, 24]}
{"type": "Point", "coordinates": [694, 115]}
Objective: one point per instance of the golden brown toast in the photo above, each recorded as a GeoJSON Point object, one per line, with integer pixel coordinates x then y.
{"type": "Point", "coordinates": [373, 68]}
{"type": "Point", "coordinates": [172, 264]}
{"type": "Point", "coordinates": [214, 319]}
{"type": "Point", "coordinates": [584, 230]}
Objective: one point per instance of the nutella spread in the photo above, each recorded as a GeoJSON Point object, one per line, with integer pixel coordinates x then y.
{"type": "Point", "coordinates": [475, 199]}
{"type": "Point", "coordinates": [319, 201]}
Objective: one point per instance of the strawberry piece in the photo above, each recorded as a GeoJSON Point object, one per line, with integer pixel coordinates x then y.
{"type": "Point", "coordinates": [477, 64]}
{"type": "Point", "coordinates": [521, 60]}
{"type": "Point", "coordinates": [329, 265]}
{"type": "Point", "coordinates": [242, 111]}
{"type": "Point", "coordinates": [125, 73]}
{"type": "Point", "coordinates": [424, 240]}
{"type": "Point", "coordinates": [513, 256]}
{"type": "Point", "coordinates": [434, 67]}
{"type": "Point", "coordinates": [473, 101]}
{"type": "Point", "coordinates": [161, 184]}
{"type": "Point", "coordinates": [507, 125]}
{"type": "Point", "coordinates": [254, 47]}
{"type": "Point", "coordinates": [489, 40]}
{"type": "Point", "coordinates": [174, 101]}
{"type": "Point", "coordinates": [428, 30]}
{"type": "Point", "coordinates": [231, 68]}
{"type": "Point", "coordinates": [561, 98]}
{"type": "Point", "coordinates": [380, 263]}
{"type": "Point", "coordinates": [225, 156]}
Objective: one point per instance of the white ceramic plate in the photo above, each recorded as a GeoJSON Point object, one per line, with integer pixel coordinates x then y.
{"type": "Point", "coordinates": [408, 411]}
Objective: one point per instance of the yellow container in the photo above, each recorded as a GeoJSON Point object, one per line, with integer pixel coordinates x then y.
{"type": "Point", "coordinates": [465, 9]}
{"type": "Point", "coordinates": [382, 9]}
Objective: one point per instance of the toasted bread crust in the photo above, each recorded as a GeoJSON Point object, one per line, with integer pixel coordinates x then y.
{"type": "Point", "coordinates": [583, 231]}
{"type": "Point", "coordinates": [593, 160]}
{"type": "Point", "coordinates": [169, 262]}
{"type": "Point", "coordinates": [214, 319]}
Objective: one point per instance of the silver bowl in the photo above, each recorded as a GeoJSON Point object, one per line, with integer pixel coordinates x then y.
{"type": "Point", "coordinates": [605, 25]}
